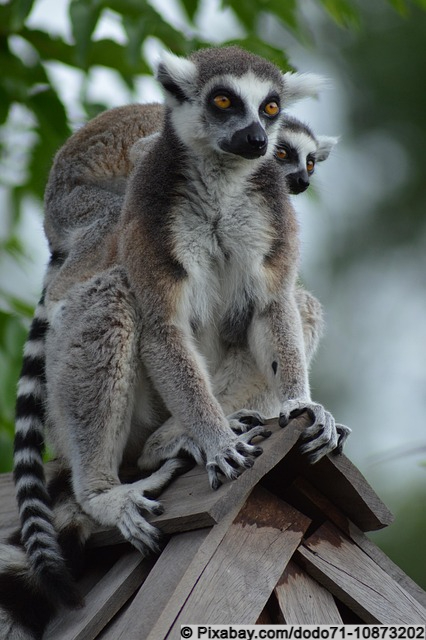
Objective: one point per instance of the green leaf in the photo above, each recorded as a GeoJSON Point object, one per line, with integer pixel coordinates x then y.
{"type": "Point", "coordinates": [93, 109]}
{"type": "Point", "coordinates": [261, 48]}
{"type": "Point", "coordinates": [154, 24]}
{"type": "Point", "coordinates": [13, 15]}
{"type": "Point", "coordinates": [14, 247]}
{"type": "Point", "coordinates": [136, 30]}
{"type": "Point", "coordinates": [6, 446]}
{"type": "Point", "coordinates": [49, 47]}
{"type": "Point", "coordinates": [12, 336]}
{"type": "Point", "coordinates": [17, 79]}
{"type": "Point", "coordinates": [131, 8]}
{"type": "Point", "coordinates": [5, 103]}
{"type": "Point", "coordinates": [19, 13]}
{"type": "Point", "coordinates": [108, 53]}
{"type": "Point", "coordinates": [52, 131]}
{"type": "Point", "coordinates": [191, 8]}
{"type": "Point", "coordinates": [245, 10]}
{"type": "Point", "coordinates": [343, 12]}
{"type": "Point", "coordinates": [84, 15]}
{"type": "Point", "coordinates": [285, 11]}
{"type": "Point", "coordinates": [400, 6]}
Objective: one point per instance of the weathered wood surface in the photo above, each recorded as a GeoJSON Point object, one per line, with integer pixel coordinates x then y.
{"type": "Point", "coordinates": [347, 572]}
{"type": "Point", "coordinates": [169, 587]}
{"type": "Point", "coordinates": [311, 501]}
{"type": "Point", "coordinates": [343, 484]}
{"type": "Point", "coordinates": [151, 604]}
{"type": "Point", "coordinates": [240, 576]}
{"type": "Point", "coordinates": [380, 558]}
{"type": "Point", "coordinates": [190, 503]}
{"type": "Point", "coordinates": [302, 600]}
{"type": "Point", "coordinates": [103, 600]}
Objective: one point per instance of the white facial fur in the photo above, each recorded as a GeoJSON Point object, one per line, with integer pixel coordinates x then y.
{"type": "Point", "coordinates": [201, 133]}
{"type": "Point", "coordinates": [303, 85]}
{"type": "Point", "coordinates": [303, 144]}
{"type": "Point", "coordinates": [181, 70]}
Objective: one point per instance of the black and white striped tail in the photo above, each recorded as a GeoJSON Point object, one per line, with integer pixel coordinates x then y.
{"type": "Point", "coordinates": [38, 534]}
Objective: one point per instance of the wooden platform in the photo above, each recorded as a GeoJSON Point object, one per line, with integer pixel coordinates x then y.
{"type": "Point", "coordinates": [284, 543]}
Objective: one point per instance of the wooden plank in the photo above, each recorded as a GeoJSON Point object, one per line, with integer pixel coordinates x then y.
{"type": "Point", "coordinates": [109, 630]}
{"type": "Point", "coordinates": [265, 617]}
{"type": "Point", "coordinates": [177, 570]}
{"type": "Point", "coordinates": [380, 558]}
{"type": "Point", "coordinates": [150, 603]}
{"type": "Point", "coordinates": [342, 483]}
{"type": "Point", "coordinates": [189, 503]}
{"type": "Point", "coordinates": [302, 600]}
{"type": "Point", "coordinates": [239, 578]}
{"type": "Point", "coordinates": [306, 497]}
{"type": "Point", "coordinates": [347, 572]}
{"type": "Point", "coordinates": [103, 601]}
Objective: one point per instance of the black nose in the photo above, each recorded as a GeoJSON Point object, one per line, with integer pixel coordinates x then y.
{"type": "Point", "coordinates": [257, 139]}
{"type": "Point", "coordinates": [302, 184]}
{"type": "Point", "coordinates": [297, 182]}
{"type": "Point", "coordinates": [250, 142]}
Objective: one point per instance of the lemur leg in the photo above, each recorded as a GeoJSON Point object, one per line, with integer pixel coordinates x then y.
{"type": "Point", "coordinates": [237, 383]}
{"type": "Point", "coordinates": [91, 371]}
{"type": "Point", "coordinates": [86, 253]}
{"type": "Point", "coordinates": [276, 340]}
{"type": "Point", "coordinates": [313, 328]}
{"type": "Point", "coordinates": [312, 318]}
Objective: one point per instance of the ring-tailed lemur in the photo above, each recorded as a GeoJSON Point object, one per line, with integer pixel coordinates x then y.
{"type": "Point", "coordinates": [81, 335]}
{"type": "Point", "coordinates": [298, 150]}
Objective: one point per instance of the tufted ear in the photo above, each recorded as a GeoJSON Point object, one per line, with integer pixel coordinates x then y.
{"type": "Point", "coordinates": [325, 145]}
{"type": "Point", "coordinates": [303, 85]}
{"type": "Point", "coordinates": [177, 76]}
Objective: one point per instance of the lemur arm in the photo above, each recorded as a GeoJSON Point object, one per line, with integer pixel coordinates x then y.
{"type": "Point", "coordinates": [173, 362]}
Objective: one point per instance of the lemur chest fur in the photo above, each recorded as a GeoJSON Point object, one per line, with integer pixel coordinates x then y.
{"type": "Point", "coordinates": [221, 239]}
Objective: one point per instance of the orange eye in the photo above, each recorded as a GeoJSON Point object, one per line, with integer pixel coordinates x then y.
{"type": "Point", "coordinates": [281, 153]}
{"type": "Point", "coordinates": [223, 102]}
{"type": "Point", "coordinates": [310, 165]}
{"type": "Point", "coordinates": [272, 109]}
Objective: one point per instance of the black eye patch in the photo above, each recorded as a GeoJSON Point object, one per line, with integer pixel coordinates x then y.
{"type": "Point", "coordinates": [216, 97]}
{"type": "Point", "coordinates": [291, 153]}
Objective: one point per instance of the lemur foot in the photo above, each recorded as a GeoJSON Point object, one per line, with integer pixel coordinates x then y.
{"type": "Point", "coordinates": [322, 436]}
{"type": "Point", "coordinates": [141, 499]}
{"type": "Point", "coordinates": [126, 506]}
{"type": "Point", "coordinates": [172, 441]}
{"type": "Point", "coordinates": [133, 524]}
{"type": "Point", "coordinates": [244, 420]}
{"type": "Point", "coordinates": [237, 455]}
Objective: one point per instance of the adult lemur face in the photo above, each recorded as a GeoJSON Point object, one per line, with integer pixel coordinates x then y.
{"type": "Point", "coordinates": [226, 100]}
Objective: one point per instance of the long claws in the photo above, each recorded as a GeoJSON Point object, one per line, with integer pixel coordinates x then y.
{"type": "Point", "coordinates": [239, 453]}
{"type": "Point", "coordinates": [343, 433]}
{"type": "Point", "coordinates": [285, 419]}
{"type": "Point", "coordinates": [322, 436]}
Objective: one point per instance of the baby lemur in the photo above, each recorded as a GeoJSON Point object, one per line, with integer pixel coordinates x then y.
{"type": "Point", "coordinates": [200, 265]}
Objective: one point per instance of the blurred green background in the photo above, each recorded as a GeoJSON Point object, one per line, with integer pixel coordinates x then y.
{"type": "Point", "coordinates": [363, 224]}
